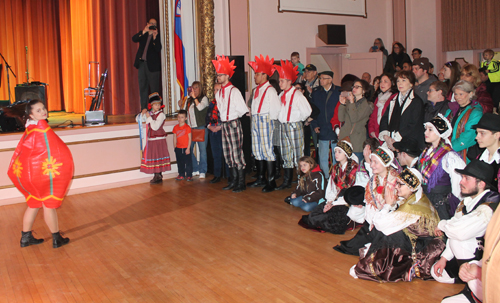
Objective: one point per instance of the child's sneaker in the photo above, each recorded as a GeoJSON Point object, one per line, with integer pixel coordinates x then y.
{"type": "Point", "coordinates": [179, 178]}
{"type": "Point", "coordinates": [196, 173]}
{"type": "Point", "coordinates": [189, 179]}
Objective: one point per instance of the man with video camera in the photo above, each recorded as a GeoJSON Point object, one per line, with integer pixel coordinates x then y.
{"type": "Point", "coordinates": [147, 60]}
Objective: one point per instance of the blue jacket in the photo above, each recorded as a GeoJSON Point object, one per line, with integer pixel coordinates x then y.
{"type": "Point", "coordinates": [327, 110]}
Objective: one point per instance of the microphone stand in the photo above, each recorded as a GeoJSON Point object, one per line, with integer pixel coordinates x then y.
{"type": "Point", "coordinates": [7, 67]}
{"type": "Point", "coordinates": [27, 69]}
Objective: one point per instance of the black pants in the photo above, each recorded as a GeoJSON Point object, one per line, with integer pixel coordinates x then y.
{"type": "Point", "coordinates": [184, 162]}
{"type": "Point", "coordinates": [147, 80]}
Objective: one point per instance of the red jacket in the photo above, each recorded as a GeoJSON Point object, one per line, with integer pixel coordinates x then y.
{"type": "Point", "coordinates": [373, 125]}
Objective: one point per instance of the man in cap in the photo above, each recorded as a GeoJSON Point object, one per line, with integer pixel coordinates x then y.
{"type": "Point", "coordinates": [265, 109]}
{"type": "Point", "coordinates": [488, 137]}
{"type": "Point", "coordinates": [310, 79]}
{"type": "Point", "coordinates": [421, 70]}
{"type": "Point", "coordinates": [326, 98]}
{"type": "Point", "coordinates": [231, 106]}
{"type": "Point", "coordinates": [293, 111]}
{"type": "Point", "coordinates": [465, 230]}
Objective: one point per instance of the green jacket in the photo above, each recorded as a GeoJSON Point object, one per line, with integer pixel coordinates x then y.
{"type": "Point", "coordinates": [467, 137]}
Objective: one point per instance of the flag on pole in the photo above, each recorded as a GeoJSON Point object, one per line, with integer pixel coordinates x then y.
{"type": "Point", "coordinates": [180, 60]}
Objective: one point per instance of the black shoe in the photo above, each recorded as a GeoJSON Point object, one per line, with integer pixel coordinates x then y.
{"type": "Point", "coordinates": [232, 179]}
{"type": "Point", "coordinates": [288, 199]}
{"type": "Point", "coordinates": [260, 175]}
{"type": "Point", "coordinates": [27, 239]}
{"type": "Point", "coordinates": [58, 240]}
{"type": "Point", "coordinates": [271, 181]}
{"type": "Point", "coordinates": [287, 179]}
{"type": "Point", "coordinates": [215, 180]}
{"type": "Point", "coordinates": [240, 184]}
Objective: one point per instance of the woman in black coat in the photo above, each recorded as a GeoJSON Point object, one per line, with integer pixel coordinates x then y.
{"type": "Point", "coordinates": [405, 115]}
{"type": "Point", "coordinates": [396, 59]}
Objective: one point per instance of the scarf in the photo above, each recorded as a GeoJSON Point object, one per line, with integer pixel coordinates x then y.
{"type": "Point", "coordinates": [258, 88]}
{"type": "Point", "coordinates": [429, 218]}
{"type": "Point", "coordinates": [223, 89]}
{"type": "Point", "coordinates": [382, 98]}
{"type": "Point", "coordinates": [395, 119]}
{"type": "Point", "coordinates": [214, 115]}
{"type": "Point", "coordinates": [430, 161]}
{"type": "Point", "coordinates": [375, 192]}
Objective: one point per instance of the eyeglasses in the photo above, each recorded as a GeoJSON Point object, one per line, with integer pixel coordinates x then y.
{"type": "Point", "coordinates": [357, 86]}
{"type": "Point", "coordinates": [220, 75]}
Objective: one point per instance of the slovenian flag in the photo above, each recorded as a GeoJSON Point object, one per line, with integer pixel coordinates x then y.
{"type": "Point", "coordinates": [180, 63]}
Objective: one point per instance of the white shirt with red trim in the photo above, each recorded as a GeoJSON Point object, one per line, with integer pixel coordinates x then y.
{"type": "Point", "coordinates": [271, 104]}
{"type": "Point", "coordinates": [230, 103]}
{"type": "Point", "coordinates": [299, 110]}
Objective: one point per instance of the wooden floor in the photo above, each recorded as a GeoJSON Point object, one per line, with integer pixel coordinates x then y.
{"type": "Point", "coordinates": [186, 242]}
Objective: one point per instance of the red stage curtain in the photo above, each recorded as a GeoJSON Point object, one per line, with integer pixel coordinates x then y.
{"type": "Point", "coordinates": [62, 37]}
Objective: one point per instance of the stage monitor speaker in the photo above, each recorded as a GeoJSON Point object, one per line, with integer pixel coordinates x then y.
{"type": "Point", "coordinates": [332, 34]}
{"type": "Point", "coordinates": [30, 92]}
{"type": "Point", "coordinates": [239, 77]}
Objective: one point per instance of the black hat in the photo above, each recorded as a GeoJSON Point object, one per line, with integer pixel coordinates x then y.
{"type": "Point", "coordinates": [409, 146]}
{"type": "Point", "coordinates": [423, 63]}
{"type": "Point", "coordinates": [154, 97]}
{"type": "Point", "coordinates": [355, 195]}
{"type": "Point", "coordinates": [346, 86]}
{"type": "Point", "coordinates": [311, 67]}
{"type": "Point", "coordinates": [327, 73]}
{"type": "Point", "coordinates": [479, 170]}
{"type": "Point", "coordinates": [489, 121]}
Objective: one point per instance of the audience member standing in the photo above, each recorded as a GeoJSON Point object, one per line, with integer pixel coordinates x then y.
{"type": "Point", "coordinates": [396, 59]}
{"type": "Point", "coordinates": [325, 97]}
{"type": "Point", "coordinates": [214, 127]}
{"type": "Point", "coordinates": [311, 79]}
{"type": "Point", "coordinates": [385, 94]}
{"type": "Point", "coordinates": [421, 70]}
{"type": "Point", "coordinates": [147, 60]}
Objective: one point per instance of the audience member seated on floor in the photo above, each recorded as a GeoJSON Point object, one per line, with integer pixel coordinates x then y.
{"type": "Point", "coordinates": [310, 189]}
{"type": "Point", "coordinates": [441, 183]}
{"type": "Point", "coordinates": [405, 115]}
{"type": "Point", "coordinates": [364, 172]}
{"type": "Point", "coordinates": [404, 244]}
{"type": "Point", "coordinates": [408, 152]}
{"type": "Point", "coordinates": [343, 176]}
{"type": "Point", "coordinates": [385, 94]}
{"type": "Point", "coordinates": [465, 231]}
{"type": "Point", "coordinates": [436, 95]}
{"type": "Point", "coordinates": [337, 219]}
{"type": "Point", "coordinates": [462, 119]}
{"type": "Point", "coordinates": [488, 137]}
{"type": "Point", "coordinates": [470, 73]}
{"type": "Point", "coordinates": [470, 273]}
{"type": "Point", "coordinates": [379, 190]}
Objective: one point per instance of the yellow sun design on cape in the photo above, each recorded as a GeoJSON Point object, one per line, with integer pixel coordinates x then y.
{"type": "Point", "coordinates": [17, 167]}
{"type": "Point", "coordinates": [50, 166]}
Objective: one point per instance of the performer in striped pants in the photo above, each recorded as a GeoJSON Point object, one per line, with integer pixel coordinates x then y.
{"type": "Point", "coordinates": [231, 106]}
{"type": "Point", "coordinates": [294, 110]}
{"type": "Point", "coordinates": [265, 109]}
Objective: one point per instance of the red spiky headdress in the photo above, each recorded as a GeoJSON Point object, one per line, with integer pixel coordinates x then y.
{"type": "Point", "coordinates": [223, 66]}
{"type": "Point", "coordinates": [287, 70]}
{"type": "Point", "coordinates": [263, 65]}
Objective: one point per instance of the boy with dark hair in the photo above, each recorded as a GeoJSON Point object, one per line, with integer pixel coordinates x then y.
{"type": "Point", "coordinates": [182, 142]}
{"type": "Point", "coordinates": [295, 58]}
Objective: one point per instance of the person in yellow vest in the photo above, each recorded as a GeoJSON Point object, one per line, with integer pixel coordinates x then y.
{"type": "Point", "coordinates": [492, 69]}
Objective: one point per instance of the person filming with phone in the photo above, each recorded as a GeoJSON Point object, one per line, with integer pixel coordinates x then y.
{"type": "Point", "coordinates": [147, 61]}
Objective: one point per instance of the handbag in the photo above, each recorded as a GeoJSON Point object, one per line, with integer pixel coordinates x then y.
{"type": "Point", "coordinates": [198, 135]}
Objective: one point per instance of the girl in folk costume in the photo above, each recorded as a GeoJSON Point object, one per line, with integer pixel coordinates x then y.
{"type": "Point", "coordinates": [265, 110]}
{"type": "Point", "coordinates": [311, 188]}
{"type": "Point", "coordinates": [404, 245]}
{"type": "Point", "coordinates": [155, 158]}
{"type": "Point", "coordinates": [441, 183]}
{"type": "Point", "coordinates": [332, 216]}
{"type": "Point", "coordinates": [295, 109]}
{"type": "Point", "coordinates": [379, 190]}
{"type": "Point", "coordinates": [462, 119]}
{"type": "Point", "coordinates": [41, 169]}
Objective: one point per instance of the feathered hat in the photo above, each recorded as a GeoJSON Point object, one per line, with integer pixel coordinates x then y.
{"type": "Point", "coordinates": [223, 66]}
{"type": "Point", "coordinates": [263, 65]}
{"type": "Point", "coordinates": [287, 70]}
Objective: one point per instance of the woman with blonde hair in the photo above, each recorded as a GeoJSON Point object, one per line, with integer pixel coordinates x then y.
{"type": "Point", "coordinates": [470, 73]}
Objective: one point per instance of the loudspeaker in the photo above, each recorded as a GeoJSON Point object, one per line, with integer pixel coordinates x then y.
{"type": "Point", "coordinates": [30, 92]}
{"type": "Point", "coordinates": [332, 33]}
{"type": "Point", "coordinates": [239, 77]}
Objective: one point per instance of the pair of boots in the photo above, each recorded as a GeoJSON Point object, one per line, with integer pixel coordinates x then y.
{"type": "Point", "coordinates": [269, 183]}
{"type": "Point", "coordinates": [236, 180]}
{"type": "Point", "coordinates": [27, 239]}
{"type": "Point", "coordinates": [158, 178]}
{"type": "Point", "coordinates": [287, 179]}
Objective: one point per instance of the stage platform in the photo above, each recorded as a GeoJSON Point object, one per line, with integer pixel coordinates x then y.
{"type": "Point", "coordinates": [105, 156]}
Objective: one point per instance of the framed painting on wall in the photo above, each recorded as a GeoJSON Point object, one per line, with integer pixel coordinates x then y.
{"type": "Point", "coordinates": [336, 7]}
